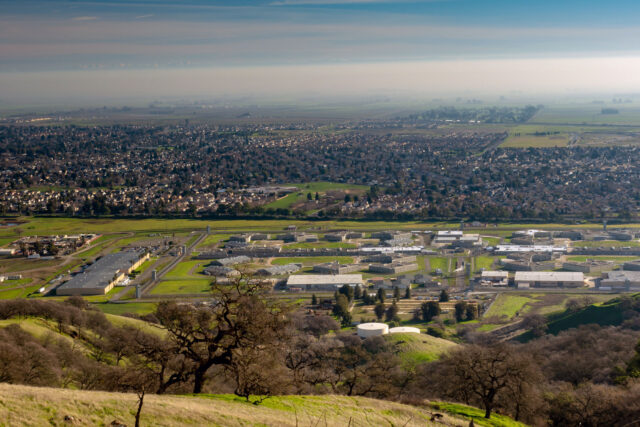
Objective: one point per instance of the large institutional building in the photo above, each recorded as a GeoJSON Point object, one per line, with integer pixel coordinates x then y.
{"type": "Point", "coordinates": [101, 276]}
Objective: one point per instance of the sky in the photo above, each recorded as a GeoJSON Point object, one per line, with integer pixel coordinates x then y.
{"type": "Point", "coordinates": [153, 48]}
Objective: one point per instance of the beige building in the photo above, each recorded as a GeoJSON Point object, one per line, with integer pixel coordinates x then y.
{"type": "Point", "coordinates": [548, 279]}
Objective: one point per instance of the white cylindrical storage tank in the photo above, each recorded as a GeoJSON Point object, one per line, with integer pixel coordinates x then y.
{"type": "Point", "coordinates": [366, 330]}
{"type": "Point", "coordinates": [404, 330]}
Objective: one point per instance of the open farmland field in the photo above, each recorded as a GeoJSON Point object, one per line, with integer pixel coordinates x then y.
{"type": "Point", "coordinates": [587, 114]}
{"type": "Point", "coordinates": [609, 138]}
{"type": "Point", "coordinates": [561, 135]}
{"type": "Point", "coordinates": [524, 141]}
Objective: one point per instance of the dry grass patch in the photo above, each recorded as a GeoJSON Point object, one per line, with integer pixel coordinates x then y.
{"type": "Point", "coordinates": [34, 406]}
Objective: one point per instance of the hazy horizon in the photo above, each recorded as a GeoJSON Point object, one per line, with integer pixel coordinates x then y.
{"type": "Point", "coordinates": [95, 51]}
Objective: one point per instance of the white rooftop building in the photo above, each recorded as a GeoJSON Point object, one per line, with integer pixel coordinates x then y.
{"type": "Point", "coordinates": [529, 248]}
{"type": "Point", "coordinates": [449, 233]}
{"type": "Point", "coordinates": [456, 237]}
{"type": "Point", "coordinates": [393, 249]}
{"type": "Point", "coordinates": [323, 281]}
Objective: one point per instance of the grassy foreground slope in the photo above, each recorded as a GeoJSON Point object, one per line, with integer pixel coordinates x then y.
{"type": "Point", "coordinates": [36, 406]}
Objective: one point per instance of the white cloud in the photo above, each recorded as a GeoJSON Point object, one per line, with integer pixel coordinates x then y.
{"type": "Point", "coordinates": [84, 18]}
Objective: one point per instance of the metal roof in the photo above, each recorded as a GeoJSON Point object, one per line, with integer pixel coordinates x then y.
{"type": "Point", "coordinates": [323, 279]}
{"type": "Point", "coordinates": [101, 273]}
{"type": "Point", "coordinates": [548, 276]}
{"type": "Point", "coordinates": [530, 248]}
{"type": "Point", "coordinates": [493, 273]}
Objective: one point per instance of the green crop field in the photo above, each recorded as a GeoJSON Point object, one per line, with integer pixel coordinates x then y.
{"type": "Point", "coordinates": [524, 141]}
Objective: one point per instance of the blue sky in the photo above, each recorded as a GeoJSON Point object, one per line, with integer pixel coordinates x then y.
{"type": "Point", "coordinates": [72, 35]}
{"type": "Point", "coordinates": [44, 42]}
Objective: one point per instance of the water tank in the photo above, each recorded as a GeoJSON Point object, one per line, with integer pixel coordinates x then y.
{"type": "Point", "coordinates": [366, 330]}
{"type": "Point", "coordinates": [404, 330]}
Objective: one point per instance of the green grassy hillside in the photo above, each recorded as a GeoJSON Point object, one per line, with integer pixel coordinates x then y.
{"type": "Point", "coordinates": [414, 348]}
{"type": "Point", "coordinates": [603, 314]}
{"type": "Point", "coordinates": [37, 406]}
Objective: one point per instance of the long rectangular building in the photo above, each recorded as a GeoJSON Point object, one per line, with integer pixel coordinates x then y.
{"type": "Point", "coordinates": [621, 280]}
{"type": "Point", "coordinates": [101, 276]}
{"type": "Point", "coordinates": [323, 282]}
{"type": "Point", "coordinates": [549, 279]}
{"type": "Point", "coordinates": [335, 268]}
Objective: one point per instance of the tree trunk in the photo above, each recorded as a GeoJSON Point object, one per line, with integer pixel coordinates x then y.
{"type": "Point", "coordinates": [140, 403]}
{"type": "Point", "coordinates": [487, 412]}
{"type": "Point", "coordinates": [162, 388]}
{"type": "Point", "coordinates": [198, 380]}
